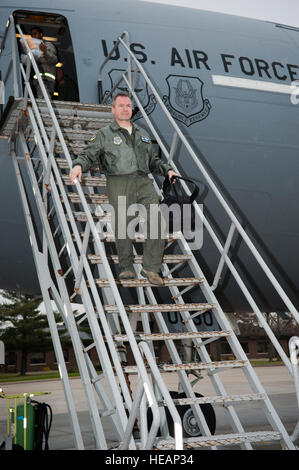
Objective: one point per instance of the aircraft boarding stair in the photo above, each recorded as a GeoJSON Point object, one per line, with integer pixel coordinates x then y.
{"type": "Point", "coordinates": [76, 262]}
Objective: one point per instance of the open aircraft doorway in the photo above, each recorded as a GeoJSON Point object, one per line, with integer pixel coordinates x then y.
{"type": "Point", "coordinates": [55, 30]}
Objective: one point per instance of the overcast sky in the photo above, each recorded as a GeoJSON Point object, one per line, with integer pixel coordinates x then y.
{"type": "Point", "coordinates": [281, 11]}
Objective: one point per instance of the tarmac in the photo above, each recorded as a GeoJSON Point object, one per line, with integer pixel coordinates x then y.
{"type": "Point", "coordinates": [276, 380]}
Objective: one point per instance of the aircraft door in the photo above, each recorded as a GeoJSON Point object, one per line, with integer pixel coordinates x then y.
{"type": "Point", "coordinates": [53, 31]}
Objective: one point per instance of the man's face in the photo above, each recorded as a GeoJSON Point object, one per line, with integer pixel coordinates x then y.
{"type": "Point", "coordinates": [36, 34]}
{"type": "Point", "coordinates": [122, 108]}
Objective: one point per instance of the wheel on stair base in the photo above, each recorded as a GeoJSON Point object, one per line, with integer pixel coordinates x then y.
{"type": "Point", "coordinates": [190, 426]}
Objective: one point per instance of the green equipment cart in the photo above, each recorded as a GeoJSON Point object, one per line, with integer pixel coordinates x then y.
{"type": "Point", "coordinates": [20, 420]}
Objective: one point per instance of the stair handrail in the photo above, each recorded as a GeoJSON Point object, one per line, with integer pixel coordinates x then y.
{"type": "Point", "coordinates": [126, 323]}
{"type": "Point", "coordinates": [14, 59]}
{"type": "Point", "coordinates": [125, 35]}
{"type": "Point", "coordinates": [142, 389]}
{"type": "Point", "coordinates": [280, 291]}
{"type": "Point", "coordinates": [178, 430]}
{"type": "Point", "coordinates": [294, 356]}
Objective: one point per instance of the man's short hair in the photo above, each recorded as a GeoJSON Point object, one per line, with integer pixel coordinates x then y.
{"type": "Point", "coordinates": [38, 29]}
{"type": "Point", "coordinates": [120, 93]}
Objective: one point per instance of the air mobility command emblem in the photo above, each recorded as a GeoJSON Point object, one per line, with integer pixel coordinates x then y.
{"type": "Point", "coordinates": [117, 140]}
{"type": "Point", "coordinates": [146, 139]}
{"type": "Point", "coordinates": [185, 100]}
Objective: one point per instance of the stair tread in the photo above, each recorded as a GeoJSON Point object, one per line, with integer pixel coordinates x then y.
{"type": "Point", "coordinates": [219, 399]}
{"type": "Point", "coordinates": [74, 147]}
{"type": "Point", "coordinates": [86, 180]}
{"type": "Point", "coordinates": [139, 238]}
{"type": "Point", "coordinates": [95, 259]}
{"type": "Point", "coordinates": [63, 165]}
{"type": "Point", "coordinates": [193, 366]}
{"type": "Point", "coordinates": [65, 106]}
{"type": "Point", "coordinates": [71, 123]}
{"type": "Point", "coordinates": [160, 307]}
{"type": "Point", "coordinates": [174, 336]}
{"type": "Point", "coordinates": [204, 365]}
{"type": "Point", "coordinates": [10, 121]}
{"type": "Point", "coordinates": [188, 281]}
{"type": "Point", "coordinates": [90, 198]}
{"type": "Point", "coordinates": [221, 439]}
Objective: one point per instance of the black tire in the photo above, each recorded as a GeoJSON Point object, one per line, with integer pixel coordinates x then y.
{"type": "Point", "coordinates": [168, 416]}
{"type": "Point", "coordinates": [190, 427]}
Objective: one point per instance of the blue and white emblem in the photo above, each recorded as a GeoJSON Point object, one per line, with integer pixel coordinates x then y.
{"type": "Point", "coordinates": [117, 140]}
{"type": "Point", "coordinates": [146, 139]}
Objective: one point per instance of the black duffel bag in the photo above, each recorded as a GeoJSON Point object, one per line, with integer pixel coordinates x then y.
{"type": "Point", "coordinates": [178, 209]}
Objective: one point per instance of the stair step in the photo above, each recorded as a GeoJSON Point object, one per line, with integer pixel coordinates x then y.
{"type": "Point", "coordinates": [161, 308]}
{"type": "Point", "coordinates": [139, 238]}
{"type": "Point", "coordinates": [78, 136]}
{"type": "Point", "coordinates": [174, 336]}
{"type": "Point", "coordinates": [72, 108]}
{"type": "Point", "coordinates": [167, 259]}
{"type": "Point", "coordinates": [15, 112]}
{"type": "Point", "coordinates": [74, 124]}
{"type": "Point", "coordinates": [86, 180]}
{"type": "Point", "coordinates": [95, 199]}
{"type": "Point", "coordinates": [204, 365]}
{"type": "Point", "coordinates": [191, 281]}
{"type": "Point", "coordinates": [63, 165]}
{"type": "Point", "coordinates": [90, 198]}
{"type": "Point", "coordinates": [218, 399]}
{"type": "Point", "coordinates": [82, 217]}
{"type": "Point", "coordinates": [75, 148]}
{"type": "Point", "coordinates": [221, 440]}
{"type": "Point", "coordinates": [192, 366]}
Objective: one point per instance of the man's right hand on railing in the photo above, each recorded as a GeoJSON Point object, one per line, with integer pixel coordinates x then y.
{"type": "Point", "coordinates": [76, 172]}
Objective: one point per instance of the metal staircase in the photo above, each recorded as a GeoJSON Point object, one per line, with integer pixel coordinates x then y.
{"type": "Point", "coordinates": [73, 247]}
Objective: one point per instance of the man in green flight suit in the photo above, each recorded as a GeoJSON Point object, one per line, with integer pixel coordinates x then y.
{"type": "Point", "coordinates": [125, 154]}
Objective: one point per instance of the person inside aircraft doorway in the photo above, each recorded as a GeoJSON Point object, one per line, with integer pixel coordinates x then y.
{"type": "Point", "coordinates": [46, 59]}
{"type": "Point", "coordinates": [66, 89]}
{"type": "Point", "coordinates": [125, 154]}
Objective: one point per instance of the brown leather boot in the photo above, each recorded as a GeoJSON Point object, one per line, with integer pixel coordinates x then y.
{"type": "Point", "coordinates": [152, 277]}
{"type": "Point", "coordinates": [126, 275]}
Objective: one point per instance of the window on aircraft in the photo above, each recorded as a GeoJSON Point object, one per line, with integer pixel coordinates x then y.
{"type": "Point", "coordinates": [56, 32]}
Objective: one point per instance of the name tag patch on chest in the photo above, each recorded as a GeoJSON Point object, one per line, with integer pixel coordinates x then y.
{"type": "Point", "coordinates": [117, 140]}
{"type": "Point", "coordinates": [146, 139]}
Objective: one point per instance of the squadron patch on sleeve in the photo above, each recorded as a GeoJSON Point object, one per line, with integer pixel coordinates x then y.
{"type": "Point", "coordinates": [117, 140]}
{"type": "Point", "coordinates": [145, 139]}
{"type": "Point", "coordinates": [93, 138]}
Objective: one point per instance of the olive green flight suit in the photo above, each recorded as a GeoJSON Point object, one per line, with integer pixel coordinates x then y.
{"type": "Point", "coordinates": [126, 160]}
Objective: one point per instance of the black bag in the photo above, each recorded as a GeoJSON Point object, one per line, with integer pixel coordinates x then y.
{"type": "Point", "coordinates": [179, 218]}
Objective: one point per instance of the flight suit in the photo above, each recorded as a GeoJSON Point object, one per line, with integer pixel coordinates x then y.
{"type": "Point", "coordinates": [126, 160]}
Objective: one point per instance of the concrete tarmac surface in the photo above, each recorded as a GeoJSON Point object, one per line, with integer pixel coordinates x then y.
{"type": "Point", "coordinates": [276, 380]}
